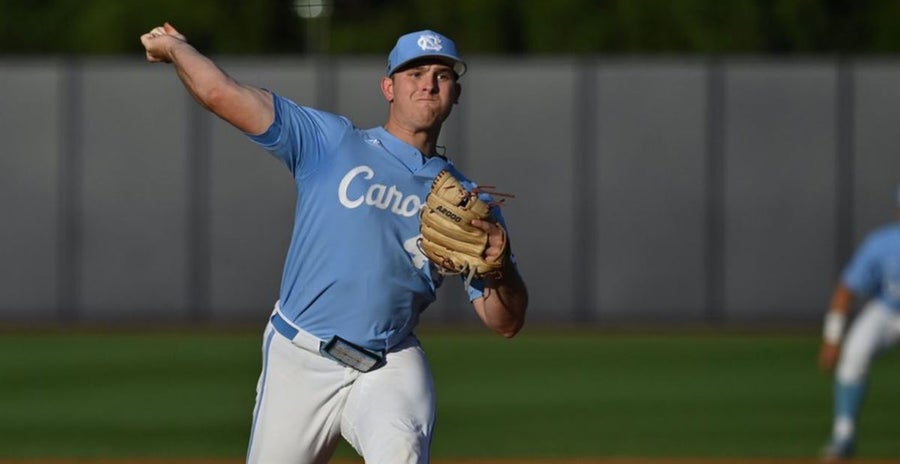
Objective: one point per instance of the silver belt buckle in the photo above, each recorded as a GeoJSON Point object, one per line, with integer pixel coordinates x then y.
{"type": "Point", "coordinates": [351, 355]}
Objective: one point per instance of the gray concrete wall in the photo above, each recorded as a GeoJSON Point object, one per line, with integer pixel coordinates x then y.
{"type": "Point", "coordinates": [779, 157]}
{"type": "Point", "coordinates": [673, 190]}
{"type": "Point", "coordinates": [32, 129]}
{"type": "Point", "coordinates": [649, 137]}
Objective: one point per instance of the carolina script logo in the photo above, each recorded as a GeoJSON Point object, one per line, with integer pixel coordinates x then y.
{"type": "Point", "coordinates": [381, 196]}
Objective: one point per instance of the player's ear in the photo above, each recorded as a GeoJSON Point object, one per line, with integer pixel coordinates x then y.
{"type": "Point", "coordinates": [387, 88]}
{"type": "Point", "coordinates": [457, 91]}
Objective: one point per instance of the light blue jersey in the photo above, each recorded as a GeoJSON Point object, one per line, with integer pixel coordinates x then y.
{"type": "Point", "coordinates": [353, 268]}
{"type": "Point", "coordinates": [875, 268]}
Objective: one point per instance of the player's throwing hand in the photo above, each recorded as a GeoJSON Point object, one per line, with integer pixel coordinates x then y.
{"type": "Point", "coordinates": [158, 43]}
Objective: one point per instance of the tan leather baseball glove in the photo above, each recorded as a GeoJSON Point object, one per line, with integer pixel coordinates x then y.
{"type": "Point", "coordinates": [449, 239]}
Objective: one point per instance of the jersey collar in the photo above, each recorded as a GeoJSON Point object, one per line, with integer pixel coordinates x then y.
{"type": "Point", "coordinates": [411, 157]}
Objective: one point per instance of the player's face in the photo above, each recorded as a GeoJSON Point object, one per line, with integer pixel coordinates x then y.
{"type": "Point", "coordinates": [423, 95]}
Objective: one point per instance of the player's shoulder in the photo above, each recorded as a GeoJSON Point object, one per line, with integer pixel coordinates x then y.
{"type": "Point", "coordinates": [890, 229]}
{"type": "Point", "coordinates": [459, 175]}
{"type": "Point", "coordinates": [321, 117]}
{"type": "Point", "coordinates": [887, 233]}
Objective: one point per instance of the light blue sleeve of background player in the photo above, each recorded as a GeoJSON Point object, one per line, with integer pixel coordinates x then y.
{"type": "Point", "coordinates": [862, 275]}
{"type": "Point", "coordinates": [299, 135]}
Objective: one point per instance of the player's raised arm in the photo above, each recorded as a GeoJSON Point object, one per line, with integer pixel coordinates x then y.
{"type": "Point", "coordinates": [247, 108]}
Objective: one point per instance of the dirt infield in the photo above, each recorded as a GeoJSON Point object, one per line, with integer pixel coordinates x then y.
{"type": "Point", "coordinates": [474, 461]}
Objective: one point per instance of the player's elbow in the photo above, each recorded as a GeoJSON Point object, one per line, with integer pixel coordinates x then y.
{"type": "Point", "coordinates": [509, 332]}
{"type": "Point", "coordinates": [509, 328]}
{"type": "Point", "coordinates": [505, 316]}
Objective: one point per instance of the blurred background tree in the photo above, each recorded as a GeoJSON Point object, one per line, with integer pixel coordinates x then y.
{"type": "Point", "coordinates": [99, 27]}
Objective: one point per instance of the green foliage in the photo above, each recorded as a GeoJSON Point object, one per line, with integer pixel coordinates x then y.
{"type": "Point", "coordinates": [480, 26]}
{"type": "Point", "coordinates": [115, 26]}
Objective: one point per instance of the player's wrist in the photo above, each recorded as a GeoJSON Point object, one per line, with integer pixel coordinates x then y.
{"type": "Point", "coordinates": [175, 47]}
{"type": "Point", "coordinates": [833, 328]}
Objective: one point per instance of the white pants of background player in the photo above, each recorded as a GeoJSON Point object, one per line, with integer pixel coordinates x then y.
{"type": "Point", "coordinates": [876, 329]}
{"type": "Point", "coordinates": [306, 402]}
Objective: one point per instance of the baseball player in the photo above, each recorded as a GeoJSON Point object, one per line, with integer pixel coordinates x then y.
{"type": "Point", "coordinates": [873, 273]}
{"type": "Point", "coordinates": [339, 354]}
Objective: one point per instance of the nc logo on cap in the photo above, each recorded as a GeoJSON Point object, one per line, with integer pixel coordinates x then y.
{"type": "Point", "coordinates": [430, 42]}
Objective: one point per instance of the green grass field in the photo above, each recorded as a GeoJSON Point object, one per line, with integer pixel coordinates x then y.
{"type": "Point", "coordinates": [543, 394]}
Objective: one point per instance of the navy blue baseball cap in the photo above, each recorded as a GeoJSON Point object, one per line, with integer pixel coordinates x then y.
{"type": "Point", "coordinates": [424, 44]}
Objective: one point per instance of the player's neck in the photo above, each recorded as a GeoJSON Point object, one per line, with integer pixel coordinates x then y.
{"type": "Point", "coordinates": [423, 140]}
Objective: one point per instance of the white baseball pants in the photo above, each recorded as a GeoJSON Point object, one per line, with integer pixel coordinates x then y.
{"type": "Point", "coordinates": [876, 329]}
{"type": "Point", "coordinates": [306, 402]}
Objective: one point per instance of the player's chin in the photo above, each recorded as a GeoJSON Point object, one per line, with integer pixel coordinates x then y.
{"type": "Point", "coordinates": [430, 120]}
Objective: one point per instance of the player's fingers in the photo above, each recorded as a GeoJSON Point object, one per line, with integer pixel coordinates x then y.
{"type": "Point", "coordinates": [158, 30]}
{"type": "Point", "coordinates": [483, 225]}
{"type": "Point", "coordinates": [496, 238]}
{"type": "Point", "coordinates": [145, 40]}
{"type": "Point", "coordinates": [172, 31]}
{"type": "Point", "coordinates": [496, 234]}
{"type": "Point", "coordinates": [153, 58]}
{"type": "Point", "coordinates": [489, 228]}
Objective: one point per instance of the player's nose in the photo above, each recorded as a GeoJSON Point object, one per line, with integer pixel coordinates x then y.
{"type": "Point", "coordinates": [430, 84]}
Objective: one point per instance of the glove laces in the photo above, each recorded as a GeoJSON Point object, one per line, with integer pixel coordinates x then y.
{"type": "Point", "coordinates": [489, 190]}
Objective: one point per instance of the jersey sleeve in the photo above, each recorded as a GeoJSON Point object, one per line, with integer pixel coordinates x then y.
{"type": "Point", "coordinates": [862, 275]}
{"type": "Point", "coordinates": [301, 136]}
{"type": "Point", "coordinates": [476, 287]}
